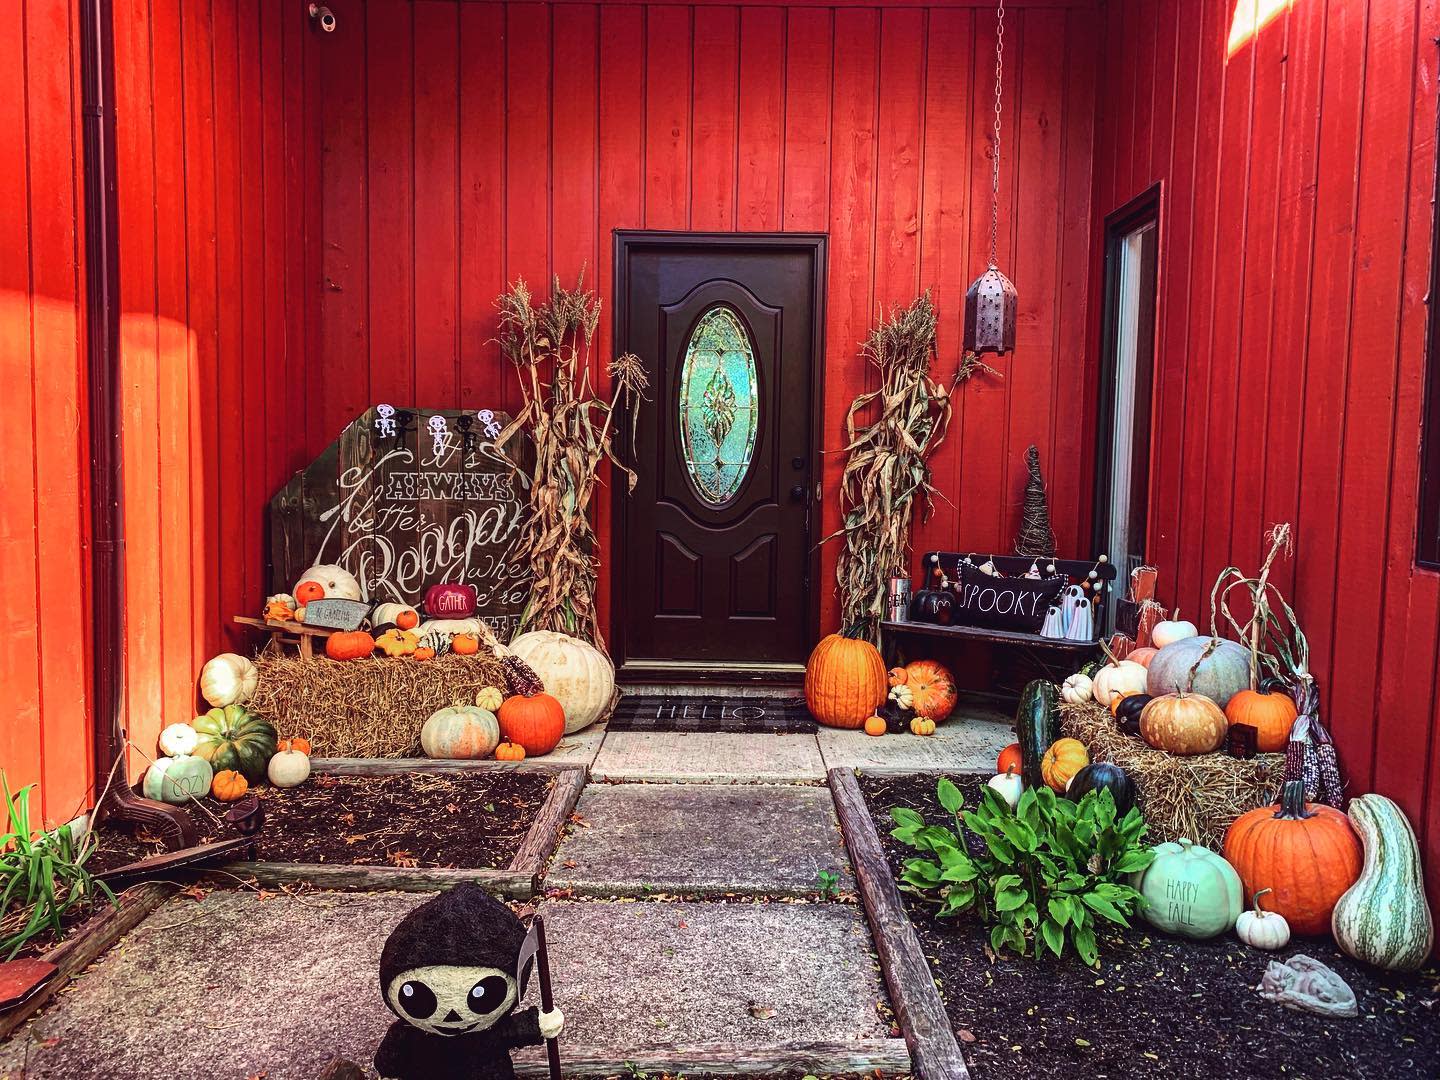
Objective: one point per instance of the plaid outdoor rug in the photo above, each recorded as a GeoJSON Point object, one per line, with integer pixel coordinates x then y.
{"type": "Point", "coordinates": [741, 715]}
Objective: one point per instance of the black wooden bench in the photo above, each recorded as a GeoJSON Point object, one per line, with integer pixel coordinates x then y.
{"type": "Point", "coordinates": [1057, 657]}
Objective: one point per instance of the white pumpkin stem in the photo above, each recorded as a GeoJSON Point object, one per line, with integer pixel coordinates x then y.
{"type": "Point", "coordinates": [1255, 904]}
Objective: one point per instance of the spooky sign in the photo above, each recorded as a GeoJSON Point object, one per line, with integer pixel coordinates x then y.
{"type": "Point", "coordinates": [405, 501]}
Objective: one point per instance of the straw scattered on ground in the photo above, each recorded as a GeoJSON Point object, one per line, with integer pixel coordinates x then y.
{"type": "Point", "coordinates": [1196, 796]}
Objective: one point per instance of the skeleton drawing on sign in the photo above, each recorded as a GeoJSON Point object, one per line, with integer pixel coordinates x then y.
{"type": "Point", "coordinates": [385, 421]}
{"type": "Point", "coordinates": [491, 425]}
{"type": "Point", "coordinates": [440, 435]}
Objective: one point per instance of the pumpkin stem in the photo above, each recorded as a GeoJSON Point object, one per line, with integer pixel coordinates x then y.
{"type": "Point", "coordinates": [1292, 802]}
{"type": "Point", "coordinates": [1210, 648]}
{"type": "Point", "coordinates": [1106, 650]}
{"type": "Point", "coordinates": [1255, 903]}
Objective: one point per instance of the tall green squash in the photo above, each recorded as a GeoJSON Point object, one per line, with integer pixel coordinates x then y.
{"type": "Point", "coordinates": [1383, 918]}
{"type": "Point", "coordinates": [1037, 725]}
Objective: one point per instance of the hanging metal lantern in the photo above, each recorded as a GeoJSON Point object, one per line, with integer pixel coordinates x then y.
{"type": "Point", "coordinates": [991, 300]}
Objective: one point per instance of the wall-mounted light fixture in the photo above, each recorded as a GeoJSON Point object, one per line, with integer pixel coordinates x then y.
{"type": "Point", "coordinates": [322, 17]}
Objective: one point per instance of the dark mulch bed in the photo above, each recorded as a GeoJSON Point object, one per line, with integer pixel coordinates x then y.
{"type": "Point", "coordinates": [1158, 1004]}
{"type": "Point", "coordinates": [469, 820]}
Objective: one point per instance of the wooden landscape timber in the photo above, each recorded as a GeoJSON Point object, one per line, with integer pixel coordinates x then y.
{"type": "Point", "coordinates": [888, 1056]}
{"type": "Point", "coordinates": [934, 1052]}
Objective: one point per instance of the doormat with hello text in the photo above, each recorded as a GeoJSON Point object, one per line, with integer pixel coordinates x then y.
{"type": "Point", "coordinates": [739, 715]}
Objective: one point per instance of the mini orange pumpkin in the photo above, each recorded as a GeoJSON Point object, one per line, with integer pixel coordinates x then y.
{"type": "Point", "coordinates": [922, 726]}
{"type": "Point", "coordinates": [299, 742]}
{"type": "Point", "coordinates": [397, 642]}
{"type": "Point", "coordinates": [897, 676]}
{"type": "Point", "coordinates": [1009, 759]}
{"type": "Point", "coordinates": [279, 611]}
{"type": "Point", "coordinates": [423, 652]}
{"type": "Point", "coordinates": [349, 645]}
{"type": "Point", "coordinates": [875, 725]}
{"type": "Point", "coordinates": [1062, 761]}
{"type": "Point", "coordinates": [509, 751]}
{"type": "Point", "coordinates": [465, 644]}
{"type": "Point", "coordinates": [307, 591]}
{"type": "Point", "coordinates": [229, 786]}
{"type": "Point", "coordinates": [408, 619]}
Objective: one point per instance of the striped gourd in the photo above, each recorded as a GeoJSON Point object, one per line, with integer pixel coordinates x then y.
{"type": "Point", "coordinates": [1383, 918]}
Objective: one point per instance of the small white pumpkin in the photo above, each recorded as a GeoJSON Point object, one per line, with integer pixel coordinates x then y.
{"type": "Point", "coordinates": [338, 583]}
{"type": "Point", "coordinates": [1078, 689]}
{"type": "Point", "coordinates": [228, 679]}
{"type": "Point", "coordinates": [1009, 785]}
{"type": "Point", "coordinates": [1171, 630]}
{"type": "Point", "coordinates": [177, 740]}
{"type": "Point", "coordinates": [1117, 680]}
{"type": "Point", "coordinates": [1259, 929]}
{"type": "Point", "coordinates": [288, 768]}
{"type": "Point", "coordinates": [281, 598]}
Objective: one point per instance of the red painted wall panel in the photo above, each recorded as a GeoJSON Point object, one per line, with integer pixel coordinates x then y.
{"type": "Point", "coordinates": [576, 119]}
{"type": "Point", "coordinates": [1296, 180]}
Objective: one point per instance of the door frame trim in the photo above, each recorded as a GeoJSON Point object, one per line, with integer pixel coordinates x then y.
{"type": "Point", "coordinates": [625, 243]}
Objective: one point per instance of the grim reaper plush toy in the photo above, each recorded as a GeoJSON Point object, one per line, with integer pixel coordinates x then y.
{"type": "Point", "coordinates": [448, 972]}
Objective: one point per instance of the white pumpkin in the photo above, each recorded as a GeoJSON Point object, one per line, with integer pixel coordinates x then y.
{"type": "Point", "coordinates": [465, 732]}
{"type": "Point", "coordinates": [1009, 785]}
{"type": "Point", "coordinates": [338, 583]}
{"type": "Point", "coordinates": [228, 679]}
{"type": "Point", "coordinates": [393, 613]}
{"type": "Point", "coordinates": [281, 598]}
{"type": "Point", "coordinates": [1116, 680]}
{"type": "Point", "coordinates": [1171, 630]}
{"type": "Point", "coordinates": [288, 768]}
{"type": "Point", "coordinates": [1077, 689]}
{"type": "Point", "coordinates": [451, 627]}
{"type": "Point", "coordinates": [576, 673]}
{"type": "Point", "coordinates": [177, 779]}
{"type": "Point", "coordinates": [1259, 929]}
{"type": "Point", "coordinates": [177, 740]}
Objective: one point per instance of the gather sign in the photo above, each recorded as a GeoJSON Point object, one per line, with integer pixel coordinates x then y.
{"type": "Point", "coordinates": [406, 500]}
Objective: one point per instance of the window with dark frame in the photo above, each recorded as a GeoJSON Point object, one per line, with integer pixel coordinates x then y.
{"type": "Point", "coordinates": [1127, 378]}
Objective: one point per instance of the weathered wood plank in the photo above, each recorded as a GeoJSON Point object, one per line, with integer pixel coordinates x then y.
{"type": "Point", "coordinates": [87, 942]}
{"type": "Point", "coordinates": [341, 766]}
{"type": "Point", "coordinates": [724, 1059]}
{"type": "Point", "coordinates": [375, 878]}
{"type": "Point", "coordinates": [933, 1050]}
{"type": "Point", "coordinates": [544, 833]}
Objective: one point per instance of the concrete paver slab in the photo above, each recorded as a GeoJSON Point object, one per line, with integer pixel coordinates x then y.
{"type": "Point", "coordinates": [962, 744]}
{"type": "Point", "coordinates": [708, 757]}
{"type": "Point", "coordinates": [697, 838]}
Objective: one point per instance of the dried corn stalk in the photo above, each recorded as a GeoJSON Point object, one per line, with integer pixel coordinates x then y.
{"type": "Point", "coordinates": [573, 430]}
{"type": "Point", "coordinates": [886, 464]}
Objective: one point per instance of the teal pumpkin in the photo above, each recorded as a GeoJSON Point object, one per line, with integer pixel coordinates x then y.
{"type": "Point", "coordinates": [1383, 918]}
{"type": "Point", "coordinates": [1220, 676]}
{"type": "Point", "coordinates": [235, 738]}
{"type": "Point", "coordinates": [177, 779]}
{"type": "Point", "coordinates": [1191, 891]}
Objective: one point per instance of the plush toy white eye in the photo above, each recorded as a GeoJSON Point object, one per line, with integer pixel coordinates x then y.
{"type": "Point", "coordinates": [417, 999]}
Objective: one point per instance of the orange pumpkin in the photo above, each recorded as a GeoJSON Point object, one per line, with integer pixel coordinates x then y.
{"type": "Point", "coordinates": [1009, 759]}
{"type": "Point", "coordinates": [898, 676]}
{"type": "Point", "coordinates": [1062, 761]}
{"type": "Point", "coordinates": [932, 689]}
{"type": "Point", "coordinates": [1306, 854]}
{"type": "Point", "coordinates": [279, 611]}
{"type": "Point", "coordinates": [423, 652]}
{"type": "Point", "coordinates": [875, 725]}
{"type": "Point", "coordinates": [297, 743]}
{"type": "Point", "coordinates": [536, 723]}
{"type": "Point", "coordinates": [845, 680]}
{"type": "Point", "coordinates": [1142, 655]}
{"type": "Point", "coordinates": [465, 644]}
{"type": "Point", "coordinates": [1183, 723]}
{"type": "Point", "coordinates": [229, 786]}
{"type": "Point", "coordinates": [1269, 711]}
{"type": "Point", "coordinates": [408, 619]}
{"type": "Point", "coordinates": [349, 645]}
{"type": "Point", "coordinates": [307, 591]}
{"type": "Point", "coordinates": [509, 751]}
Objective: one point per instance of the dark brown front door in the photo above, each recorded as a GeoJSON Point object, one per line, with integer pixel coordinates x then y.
{"type": "Point", "coordinates": [715, 543]}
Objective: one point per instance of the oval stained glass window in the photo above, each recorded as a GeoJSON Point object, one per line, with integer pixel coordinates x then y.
{"type": "Point", "coordinates": [719, 405]}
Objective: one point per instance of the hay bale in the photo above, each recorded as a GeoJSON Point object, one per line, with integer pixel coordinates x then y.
{"type": "Point", "coordinates": [1195, 797]}
{"type": "Point", "coordinates": [372, 707]}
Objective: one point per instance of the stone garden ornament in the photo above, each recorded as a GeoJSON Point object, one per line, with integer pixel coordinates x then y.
{"type": "Point", "coordinates": [1307, 985]}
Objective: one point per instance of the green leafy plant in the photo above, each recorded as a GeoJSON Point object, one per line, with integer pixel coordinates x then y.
{"type": "Point", "coordinates": [827, 884]}
{"type": "Point", "coordinates": [1048, 871]}
{"type": "Point", "coordinates": [42, 876]}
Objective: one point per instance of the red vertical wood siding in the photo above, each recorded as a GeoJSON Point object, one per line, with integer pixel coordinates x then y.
{"type": "Point", "coordinates": [213, 156]}
{"type": "Point", "coordinates": [469, 144]}
{"type": "Point", "coordinates": [1297, 177]}
{"type": "Point", "coordinates": [44, 515]}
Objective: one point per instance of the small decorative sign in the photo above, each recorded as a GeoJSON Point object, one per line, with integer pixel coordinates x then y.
{"type": "Point", "coordinates": [332, 614]}
{"type": "Point", "coordinates": [409, 499]}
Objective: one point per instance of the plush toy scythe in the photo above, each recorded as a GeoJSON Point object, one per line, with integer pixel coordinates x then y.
{"type": "Point", "coordinates": [453, 971]}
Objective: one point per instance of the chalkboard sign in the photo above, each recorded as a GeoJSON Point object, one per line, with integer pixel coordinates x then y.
{"type": "Point", "coordinates": [407, 500]}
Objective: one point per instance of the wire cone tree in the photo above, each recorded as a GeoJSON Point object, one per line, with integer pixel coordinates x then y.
{"type": "Point", "coordinates": [1037, 538]}
{"type": "Point", "coordinates": [887, 460]}
{"type": "Point", "coordinates": [573, 430]}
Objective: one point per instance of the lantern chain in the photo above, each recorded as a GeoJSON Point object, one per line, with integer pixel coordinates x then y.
{"type": "Point", "coordinates": [995, 164]}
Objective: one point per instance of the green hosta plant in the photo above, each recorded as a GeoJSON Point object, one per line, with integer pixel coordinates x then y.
{"type": "Point", "coordinates": [42, 876]}
{"type": "Point", "coordinates": [1049, 870]}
